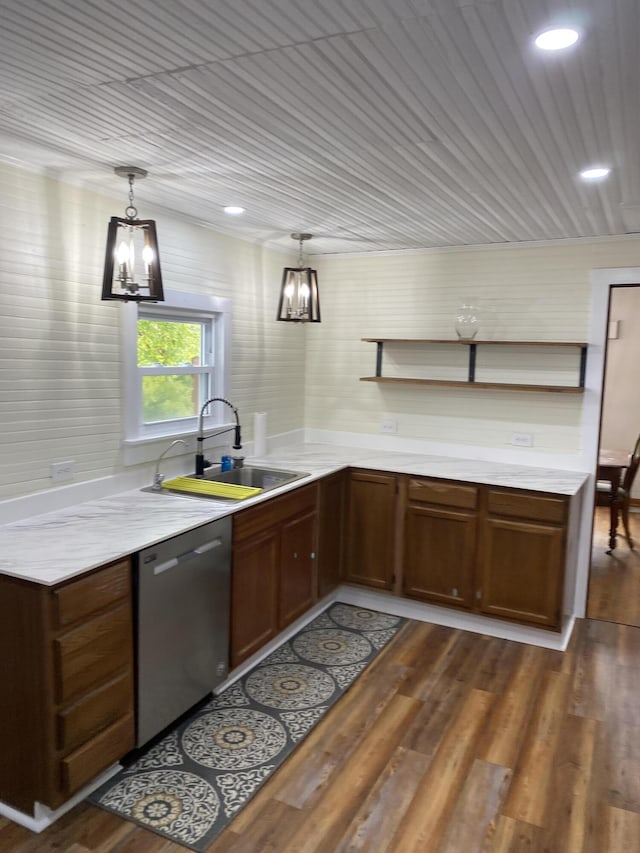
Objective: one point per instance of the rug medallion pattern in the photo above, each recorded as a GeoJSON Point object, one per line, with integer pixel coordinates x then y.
{"type": "Point", "coordinates": [190, 784]}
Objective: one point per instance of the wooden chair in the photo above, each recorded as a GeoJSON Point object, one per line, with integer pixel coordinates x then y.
{"type": "Point", "coordinates": [618, 499]}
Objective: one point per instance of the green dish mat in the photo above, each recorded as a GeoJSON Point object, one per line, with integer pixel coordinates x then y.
{"type": "Point", "coordinates": [195, 486]}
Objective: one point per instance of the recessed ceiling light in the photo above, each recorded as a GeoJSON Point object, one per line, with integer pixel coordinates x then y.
{"type": "Point", "coordinates": [556, 39]}
{"type": "Point", "coordinates": [594, 174]}
{"type": "Point", "coordinates": [233, 210]}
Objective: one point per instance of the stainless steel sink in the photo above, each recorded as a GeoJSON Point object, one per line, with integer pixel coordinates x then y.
{"type": "Point", "coordinates": [249, 476]}
{"type": "Point", "coordinates": [257, 478]}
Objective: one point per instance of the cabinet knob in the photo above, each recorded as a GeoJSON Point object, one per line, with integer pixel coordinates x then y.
{"type": "Point", "coordinates": [313, 555]}
{"type": "Point", "coordinates": [295, 555]}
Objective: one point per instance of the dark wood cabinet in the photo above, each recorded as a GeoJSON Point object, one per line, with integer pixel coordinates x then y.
{"type": "Point", "coordinates": [70, 711]}
{"type": "Point", "coordinates": [522, 558]}
{"type": "Point", "coordinates": [371, 529]}
{"type": "Point", "coordinates": [500, 552]}
{"type": "Point", "coordinates": [297, 582]}
{"type": "Point", "coordinates": [440, 542]}
{"type": "Point", "coordinates": [254, 594]}
{"type": "Point", "coordinates": [332, 505]}
{"type": "Point", "coordinates": [274, 559]}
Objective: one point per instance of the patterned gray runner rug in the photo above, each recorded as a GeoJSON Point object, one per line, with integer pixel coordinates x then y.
{"type": "Point", "coordinates": [190, 785]}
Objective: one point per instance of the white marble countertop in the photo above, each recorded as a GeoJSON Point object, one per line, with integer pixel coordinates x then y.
{"type": "Point", "coordinates": [56, 546]}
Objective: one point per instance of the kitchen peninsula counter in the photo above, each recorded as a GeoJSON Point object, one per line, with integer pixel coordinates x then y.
{"type": "Point", "coordinates": [55, 546]}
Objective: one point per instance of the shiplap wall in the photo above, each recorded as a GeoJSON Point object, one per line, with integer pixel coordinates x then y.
{"type": "Point", "coordinates": [534, 293]}
{"type": "Point", "coordinates": [60, 392]}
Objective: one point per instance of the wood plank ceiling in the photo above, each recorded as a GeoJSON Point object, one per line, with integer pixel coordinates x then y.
{"type": "Point", "coordinates": [373, 124]}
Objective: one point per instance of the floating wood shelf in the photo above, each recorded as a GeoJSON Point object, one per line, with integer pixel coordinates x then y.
{"type": "Point", "coordinates": [471, 381]}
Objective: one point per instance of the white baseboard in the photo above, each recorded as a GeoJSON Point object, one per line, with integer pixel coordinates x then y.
{"type": "Point", "coordinates": [43, 816]}
{"type": "Point", "coordinates": [450, 618]}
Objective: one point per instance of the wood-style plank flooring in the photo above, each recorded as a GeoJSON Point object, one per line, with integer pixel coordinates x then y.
{"type": "Point", "coordinates": [450, 742]}
{"type": "Point", "coordinates": [614, 581]}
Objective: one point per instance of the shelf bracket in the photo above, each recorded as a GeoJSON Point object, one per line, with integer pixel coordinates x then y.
{"type": "Point", "coordinates": [379, 358]}
{"type": "Point", "coordinates": [583, 365]}
{"type": "Point", "coordinates": [472, 362]}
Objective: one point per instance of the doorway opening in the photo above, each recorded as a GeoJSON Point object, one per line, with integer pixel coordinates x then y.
{"type": "Point", "coordinates": [614, 576]}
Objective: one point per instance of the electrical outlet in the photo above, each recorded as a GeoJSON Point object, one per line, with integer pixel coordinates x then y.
{"type": "Point", "coordinates": [522, 439]}
{"type": "Point", "coordinates": [62, 471]}
{"type": "Point", "coordinates": [389, 425]}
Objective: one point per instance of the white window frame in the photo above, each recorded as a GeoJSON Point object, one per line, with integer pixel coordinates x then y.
{"type": "Point", "coordinates": [141, 441]}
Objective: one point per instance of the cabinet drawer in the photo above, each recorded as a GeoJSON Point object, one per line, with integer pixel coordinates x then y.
{"type": "Point", "coordinates": [536, 507]}
{"type": "Point", "coordinates": [443, 494]}
{"type": "Point", "coordinates": [92, 652]}
{"type": "Point", "coordinates": [83, 720]}
{"type": "Point", "coordinates": [81, 598]}
{"type": "Point", "coordinates": [254, 520]}
{"type": "Point", "coordinates": [96, 755]}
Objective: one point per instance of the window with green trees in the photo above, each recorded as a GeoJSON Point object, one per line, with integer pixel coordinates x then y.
{"type": "Point", "coordinates": [176, 355]}
{"type": "Point", "coordinates": [168, 352]}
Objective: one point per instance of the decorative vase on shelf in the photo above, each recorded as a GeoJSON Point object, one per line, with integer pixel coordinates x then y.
{"type": "Point", "coordinates": [467, 322]}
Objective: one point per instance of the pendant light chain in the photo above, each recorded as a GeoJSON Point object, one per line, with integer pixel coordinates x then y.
{"type": "Point", "coordinates": [131, 210]}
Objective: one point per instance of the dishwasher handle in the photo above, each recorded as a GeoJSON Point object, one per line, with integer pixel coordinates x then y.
{"type": "Point", "coordinates": [208, 546]}
{"type": "Point", "coordinates": [188, 555]}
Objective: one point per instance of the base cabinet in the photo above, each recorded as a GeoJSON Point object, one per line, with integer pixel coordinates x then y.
{"type": "Point", "coordinates": [67, 652]}
{"type": "Point", "coordinates": [371, 529]}
{"type": "Point", "coordinates": [522, 558]}
{"type": "Point", "coordinates": [440, 542]}
{"type": "Point", "coordinates": [494, 551]}
{"type": "Point", "coordinates": [296, 581]}
{"type": "Point", "coordinates": [273, 578]}
{"type": "Point", "coordinates": [254, 594]}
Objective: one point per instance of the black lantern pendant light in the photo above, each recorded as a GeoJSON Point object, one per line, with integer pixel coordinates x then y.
{"type": "Point", "coordinates": [132, 262]}
{"type": "Point", "coordinates": [299, 301]}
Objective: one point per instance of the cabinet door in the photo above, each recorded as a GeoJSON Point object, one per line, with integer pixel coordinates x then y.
{"type": "Point", "coordinates": [371, 529]}
{"type": "Point", "coordinates": [522, 568]}
{"type": "Point", "coordinates": [297, 564]}
{"type": "Point", "coordinates": [439, 555]}
{"type": "Point", "coordinates": [332, 497]}
{"type": "Point", "coordinates": [254, 594]}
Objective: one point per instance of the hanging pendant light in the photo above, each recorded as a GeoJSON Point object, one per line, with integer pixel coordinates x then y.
{"type": "Point", "coordinates": [132, 263]}
{"type": "Point", "coordinates": [299, 301]}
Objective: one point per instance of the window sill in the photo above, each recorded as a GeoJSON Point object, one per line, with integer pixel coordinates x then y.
{"type": "Point", "coordinates": [136, 451]}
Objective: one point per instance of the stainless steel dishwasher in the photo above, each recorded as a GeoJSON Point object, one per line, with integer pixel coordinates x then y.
{"type": "Point", "coordinates": [183, 604]}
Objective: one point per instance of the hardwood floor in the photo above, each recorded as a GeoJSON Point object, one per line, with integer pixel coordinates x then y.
{"type": "Point", "coordinates": [450, 742]}
{"type": "Point", "coordinates": [614, 581]}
